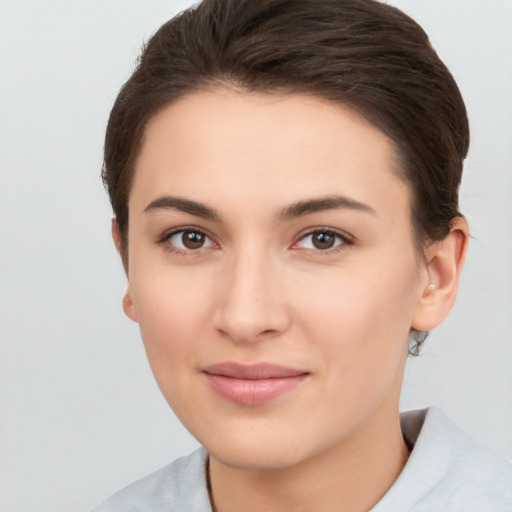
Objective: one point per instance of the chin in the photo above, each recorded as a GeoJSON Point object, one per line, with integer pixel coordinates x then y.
{"type": "Point", "coordinates": [262, 445]}
{"type": "Point", "coordinates": [258, 457]}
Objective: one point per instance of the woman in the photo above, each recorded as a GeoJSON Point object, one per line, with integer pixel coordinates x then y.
{"type": "Point", "coordinates": [284, 177]}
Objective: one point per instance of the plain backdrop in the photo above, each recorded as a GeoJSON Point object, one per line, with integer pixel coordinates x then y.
{"type": "Point", "coordinates": [80, 415]}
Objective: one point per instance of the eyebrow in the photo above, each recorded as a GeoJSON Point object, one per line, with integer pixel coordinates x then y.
{"type": "Point", "coordinates": [321, 204]}
{"type": "Point", "coordinates": [292, 211]}
{"type": "Point", "coordinates": [183, 205]}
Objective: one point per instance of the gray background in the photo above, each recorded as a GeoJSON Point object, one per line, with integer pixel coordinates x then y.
{"type": "Point", "coordinates": [80, 415]}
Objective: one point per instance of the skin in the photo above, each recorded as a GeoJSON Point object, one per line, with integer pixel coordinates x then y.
{"type": "Point", "coordinates": [259, 290]}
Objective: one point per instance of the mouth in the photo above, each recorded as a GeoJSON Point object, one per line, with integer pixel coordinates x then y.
{"type": "Point", "coordinates": [252, 385]}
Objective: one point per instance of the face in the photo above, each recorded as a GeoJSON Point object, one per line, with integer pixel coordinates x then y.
{"type": "Point", "coordinates": [273, 272]}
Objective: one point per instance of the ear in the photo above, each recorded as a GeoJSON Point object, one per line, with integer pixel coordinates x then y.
{"type": "Point", "coordinates": [445, 260]}
{"type": "Point", "coordinates": [118, 242]}
{"type": "Point", "coordinates": [128, 305]}
{"type": "Point", "coordinates": [116, 235]}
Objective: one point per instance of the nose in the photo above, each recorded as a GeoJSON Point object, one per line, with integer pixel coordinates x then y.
{"type": "Point", "coordinates": [250, 302]}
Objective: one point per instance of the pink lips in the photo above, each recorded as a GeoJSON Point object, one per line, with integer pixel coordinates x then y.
{"type": "Point", "coordinates": [252, 384]}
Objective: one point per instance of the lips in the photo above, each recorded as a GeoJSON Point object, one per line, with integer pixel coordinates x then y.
{"type": "Point", "coordinates": [252, 385]}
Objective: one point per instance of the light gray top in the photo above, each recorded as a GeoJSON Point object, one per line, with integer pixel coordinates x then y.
{"type": "Point", "coordinates": [446, 472]}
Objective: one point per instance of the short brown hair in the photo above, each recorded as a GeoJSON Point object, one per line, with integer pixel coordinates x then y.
{"type": "Point", "coordinates": [362, 53]}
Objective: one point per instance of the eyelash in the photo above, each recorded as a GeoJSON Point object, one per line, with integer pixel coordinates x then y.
{"type": "Point", "coordinates": [345, 238]}
{"type": "Point", "coordinates": [164, 240]}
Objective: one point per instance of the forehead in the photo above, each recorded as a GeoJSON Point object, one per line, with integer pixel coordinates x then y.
{"type": "Point", "coordinates": [231, 148]}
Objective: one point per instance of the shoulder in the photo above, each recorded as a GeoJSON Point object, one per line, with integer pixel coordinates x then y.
{"type": "Point", "coordinates": [447, 470]}
{"type": "Point", "coordinates": [178, 486]}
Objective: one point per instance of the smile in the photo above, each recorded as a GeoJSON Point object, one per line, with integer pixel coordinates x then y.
{"type": "Point", "coordinates": [254, 384]}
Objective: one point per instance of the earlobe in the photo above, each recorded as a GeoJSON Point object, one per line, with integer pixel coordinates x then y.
{"type": "Point", "coordinates": [445, 260]}
{"type": "Point", "coordinates": [129, 306]}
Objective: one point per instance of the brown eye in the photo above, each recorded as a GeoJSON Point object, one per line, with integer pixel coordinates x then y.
{"type": "Point", "coordinates": [192, 239]}
{"type": "Point", "coordinates": [323, 240]}
{"type": "Point", "coordinates": [189, 240]}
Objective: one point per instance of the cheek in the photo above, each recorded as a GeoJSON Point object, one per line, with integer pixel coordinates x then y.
{"type": "Point", "coordinates": [173, 311]}
{"type": "Point", "coordinates": [353, 303]}
{"type": "Point", "coordinates": [361, 321]}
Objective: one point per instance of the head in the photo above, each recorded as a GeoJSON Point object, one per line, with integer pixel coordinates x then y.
{"type": "Point", "coordinates": [352, 87]}
{"type": "Point", "coordinates": [363, 54]}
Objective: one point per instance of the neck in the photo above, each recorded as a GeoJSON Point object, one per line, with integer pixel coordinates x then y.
{"type": "Point", "coordinates": [351, 476]}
